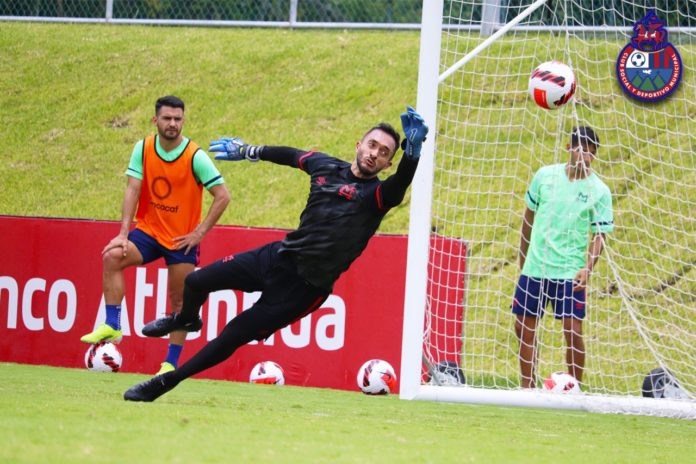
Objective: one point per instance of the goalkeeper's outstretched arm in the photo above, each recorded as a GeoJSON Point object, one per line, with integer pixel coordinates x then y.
{"type": "Point", "coordinates": [234, 149]}
{"type": "Point", "coordinates": [394, 188]}
{"type": "Point", "coordinates": [287, 156]}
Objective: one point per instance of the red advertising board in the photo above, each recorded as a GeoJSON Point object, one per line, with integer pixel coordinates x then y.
{"type": "Point", "coordinates": [446, 291]}
{"type": "Point", "coordinates": [50, 295]}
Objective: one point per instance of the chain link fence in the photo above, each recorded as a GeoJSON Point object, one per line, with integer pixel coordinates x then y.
{"type": "Point", "coordinates": [272, 11]}
{"type": "Point", "coordinates": [343, 13]}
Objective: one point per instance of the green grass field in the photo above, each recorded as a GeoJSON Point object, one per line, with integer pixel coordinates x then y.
{"type": "Point", "coordinates": [69, 415]}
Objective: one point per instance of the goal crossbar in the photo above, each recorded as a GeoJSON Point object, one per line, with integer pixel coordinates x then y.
{"type": "Point", "coordinates": [486, 43]}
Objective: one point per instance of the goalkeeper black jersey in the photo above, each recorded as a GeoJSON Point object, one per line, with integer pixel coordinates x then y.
{"type": "Point", "coordinates": [342, 213]}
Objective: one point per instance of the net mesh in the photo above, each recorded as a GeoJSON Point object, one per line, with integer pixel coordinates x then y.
{"type": "Point", "coordinates": [492, 138]}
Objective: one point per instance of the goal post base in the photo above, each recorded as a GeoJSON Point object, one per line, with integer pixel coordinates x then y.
{"type": "Point", "coordinates": [677, 409]}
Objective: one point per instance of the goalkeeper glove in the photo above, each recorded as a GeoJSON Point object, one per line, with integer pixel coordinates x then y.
{"type": "Point", "coordinates": [415, 131]}
{"type": "Point", "coordinates": [234, 149]}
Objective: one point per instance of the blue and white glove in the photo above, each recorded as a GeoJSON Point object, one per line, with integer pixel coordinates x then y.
{"type": "Point", "coordinates": [415, 131]}
{"type": "Point", "coordinates": [234, 149]}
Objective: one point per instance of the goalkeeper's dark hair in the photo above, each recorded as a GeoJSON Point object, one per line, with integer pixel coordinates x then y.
{"type": "Point", "coordinates": [389, 129]}
{"type": "Point", "coordinates": [170, 101]}
{"type": "Point", "coordinates": [583, 134]}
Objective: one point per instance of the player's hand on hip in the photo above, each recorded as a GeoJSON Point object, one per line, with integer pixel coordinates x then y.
{"type": "Point", "coordinates": [120, 241]}
{"type": "Point", "coordinates": [415, 131]}
{"type": "Point", "coordinates": [188, 241]}
{"type": "Point", "coordinates": [233, 149]}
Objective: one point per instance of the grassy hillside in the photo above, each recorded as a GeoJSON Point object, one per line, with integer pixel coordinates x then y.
{"type": "Point", "coordinates": [75, 98]}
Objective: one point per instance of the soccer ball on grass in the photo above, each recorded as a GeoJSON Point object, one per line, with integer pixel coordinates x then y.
{"type": "Point", "coordinates": [561, 382]}
{"type": "Point", "coordinates": [376, 377]}
{"type": "Point", "coordinates": [103, 357]}
{"type": "Point", "coordinates": [267, 372]}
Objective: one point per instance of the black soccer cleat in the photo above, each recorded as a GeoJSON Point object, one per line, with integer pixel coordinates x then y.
{"type": "Point", "coordinates": [149, 390]}
{"type": "Point", "coordinates": [165, 325]}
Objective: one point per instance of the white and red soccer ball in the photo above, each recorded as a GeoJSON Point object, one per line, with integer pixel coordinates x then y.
{"type": "Point", "coordinates": [561, 382]}
{"type": "Point", "coordinates": [552, 85]}
{"type": "Point", "coordinates": [376, 377]}
{"type": "Point", "coordinates": [103, 357]}
{"type": "Point", "coordinates": [267, 372]}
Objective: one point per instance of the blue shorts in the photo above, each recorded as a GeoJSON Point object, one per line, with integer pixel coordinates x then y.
{"type": "Point", "coordinates": [533, 295]}
{"type": "Point", "coordinates": [151, 250]}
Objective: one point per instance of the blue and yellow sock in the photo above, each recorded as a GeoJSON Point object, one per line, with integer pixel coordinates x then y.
{"type": "Point", "coordinates": [173, 353]}
{"type": "Point", "coordinates": [113, 316]}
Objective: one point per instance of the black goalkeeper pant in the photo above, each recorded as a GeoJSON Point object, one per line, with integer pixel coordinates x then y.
{"type": "Point", "coordinates": [285, 298]}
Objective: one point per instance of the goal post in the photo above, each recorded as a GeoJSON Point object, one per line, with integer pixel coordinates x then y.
{"type": "Point", "coordinates": [487, 139]}
{"type": "Point", "coordinates": [421, 193]}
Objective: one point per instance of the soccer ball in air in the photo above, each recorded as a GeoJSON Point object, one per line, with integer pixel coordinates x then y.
{"type": "Point", "coordinates": [561, 382]}
{"type": "Point", "coordinates": [267, 372]}
{"type": "Point", "coordinates": [376, 377]}
{"type": "Point", "coordinates": [552, 84]}
{"type": "Point", "coordinates": [103, 357]}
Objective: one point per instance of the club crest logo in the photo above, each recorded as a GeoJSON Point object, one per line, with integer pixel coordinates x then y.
{"type": "Point", "coordinates": [649, 68]}
{"type": "Point", "coordinates": [347, 191]}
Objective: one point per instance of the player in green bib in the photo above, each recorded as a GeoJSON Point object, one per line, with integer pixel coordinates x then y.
{"type": "Point", "coordinates": [568, 206]}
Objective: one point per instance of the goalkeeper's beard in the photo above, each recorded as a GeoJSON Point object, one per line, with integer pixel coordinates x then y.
{"type": "Point", "coordinates": [364, 169]}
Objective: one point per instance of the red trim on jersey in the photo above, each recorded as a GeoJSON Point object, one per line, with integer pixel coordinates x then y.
{"type": "Point", "coordinates": [378, 195]}
{"type": "Point", "coordinates": [299, 161]}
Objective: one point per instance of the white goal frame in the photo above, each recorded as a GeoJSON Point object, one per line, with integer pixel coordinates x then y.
{"type": "Point", "coordinates": [411, 386]}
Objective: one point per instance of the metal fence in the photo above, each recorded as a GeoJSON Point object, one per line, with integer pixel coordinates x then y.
{"type": "Point", "coordinates": [339, 13]}
{"type": "Point", "coordinates": [214, 12]}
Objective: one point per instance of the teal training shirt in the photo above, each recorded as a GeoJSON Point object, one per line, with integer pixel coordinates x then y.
{"type": "Point", "coordinates": [565, 212]}
{"type": "Point", "coordinates": [203, 167]}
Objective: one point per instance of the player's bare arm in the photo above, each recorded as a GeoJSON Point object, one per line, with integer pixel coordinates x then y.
{"type": "Point", "coordinates": [130, 203]}
{"type": "Point", "coordinates": [221, 198]}
{"type": "Point", "coordinates": [595, 249]}
{"type": "Point", "coordinates": [527, 223]}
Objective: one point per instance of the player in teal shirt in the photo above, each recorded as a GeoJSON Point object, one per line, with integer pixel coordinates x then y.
{"type": "Point", "coordinates": [565, 203]}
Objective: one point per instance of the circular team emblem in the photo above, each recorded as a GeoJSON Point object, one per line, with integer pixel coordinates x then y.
{"type": "Point", "coordinates": [161, 188]}
{"type": "Point", "coordinates": [649, 68]}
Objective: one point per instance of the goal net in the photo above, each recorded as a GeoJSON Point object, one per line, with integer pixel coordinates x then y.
{"type": "Point", "coordinates": [490, 140]}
